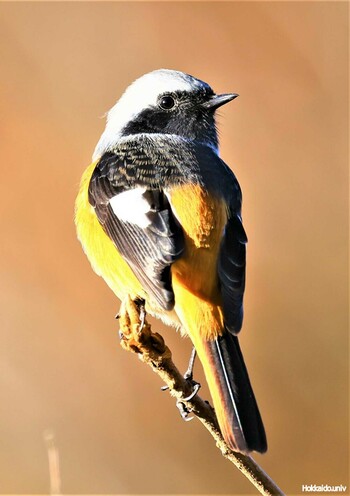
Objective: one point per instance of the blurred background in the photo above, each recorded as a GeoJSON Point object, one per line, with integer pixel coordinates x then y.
{"type": "Point", "coordinates": [66, 385]}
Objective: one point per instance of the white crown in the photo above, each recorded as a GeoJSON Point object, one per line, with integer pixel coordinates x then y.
{"type": "Point", "coordinates": [141, 94]}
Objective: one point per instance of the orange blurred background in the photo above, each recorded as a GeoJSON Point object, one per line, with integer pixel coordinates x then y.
{"type": "Point", "coordinates": [62, 66]}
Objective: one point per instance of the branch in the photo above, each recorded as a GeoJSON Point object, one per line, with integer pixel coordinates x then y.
{"type": "Point", "coordinates": [137, 337]}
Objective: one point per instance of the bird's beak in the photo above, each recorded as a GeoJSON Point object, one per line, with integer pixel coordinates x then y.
{"type": "Point", "coordinates": [216, 101]}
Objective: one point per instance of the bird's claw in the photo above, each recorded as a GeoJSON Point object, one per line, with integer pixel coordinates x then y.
{"type": "Point", "coordinates": [184, 411]}
{"type": "Point", "coordinates": [196, 388]}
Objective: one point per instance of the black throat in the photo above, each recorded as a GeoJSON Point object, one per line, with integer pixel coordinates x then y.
{"type": "Point", "coordinates": [195, 126]}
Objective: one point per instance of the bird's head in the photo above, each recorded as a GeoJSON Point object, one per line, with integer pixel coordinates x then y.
{"type": "Point", "coordinates": [168, 102]}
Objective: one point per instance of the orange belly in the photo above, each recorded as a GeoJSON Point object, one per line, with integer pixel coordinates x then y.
{"type": "Point", "coordinates": [194, 276]}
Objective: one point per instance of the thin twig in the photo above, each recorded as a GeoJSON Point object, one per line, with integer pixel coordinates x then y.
{"type": "Point", "coordinates": [152, 350]}
{"type": "Point", "coordinates": [54, 462]}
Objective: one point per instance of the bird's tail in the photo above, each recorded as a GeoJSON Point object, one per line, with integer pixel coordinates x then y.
{"type": "Point", "coordinates": [232, 394]}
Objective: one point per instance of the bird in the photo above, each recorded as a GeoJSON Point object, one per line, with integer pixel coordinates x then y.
{"type": "Point", "coordinates": [158, 214]}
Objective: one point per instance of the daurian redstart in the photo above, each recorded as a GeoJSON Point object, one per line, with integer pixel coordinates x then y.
{"type": "Point", "coordinates": [159, 216]}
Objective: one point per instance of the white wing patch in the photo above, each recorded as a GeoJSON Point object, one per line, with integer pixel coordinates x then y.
{"type": "Point", "coordinates": [131, 206]}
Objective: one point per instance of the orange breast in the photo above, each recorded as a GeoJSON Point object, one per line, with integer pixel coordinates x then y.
{"type": "Point", "coordinates": [194, 276]}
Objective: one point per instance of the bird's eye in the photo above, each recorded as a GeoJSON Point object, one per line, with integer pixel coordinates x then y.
{"type": "Point", "coordinates": [166, 102]}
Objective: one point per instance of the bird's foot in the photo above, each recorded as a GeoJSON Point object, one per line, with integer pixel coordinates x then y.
{"type": "Point", "coordinates": [136, 336]}
{"type": "Point", "coordinates": [184, 411]}
{"type": "Point", "coordinates": [132, 323]}
{"type": "Point", "coordinates": [181, 405]}
{"type": "Point", "coordinates": [195, 386]}
{"type": "Point", "coordinates": [135, 332]}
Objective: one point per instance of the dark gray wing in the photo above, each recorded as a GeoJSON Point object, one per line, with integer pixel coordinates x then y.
{"type": "Point", "coordinates": [231, 269]}
{"type": "Point", "coordinates": [149, 250]}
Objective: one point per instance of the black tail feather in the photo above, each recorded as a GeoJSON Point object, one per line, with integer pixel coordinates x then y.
{"type": "Point", "coordinates": [234, 401]}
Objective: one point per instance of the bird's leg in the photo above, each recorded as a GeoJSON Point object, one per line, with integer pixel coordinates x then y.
{"type": "Point", "coordinates": [189, 372]}
{"type": "Point", "coordinates": [188, 376]}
